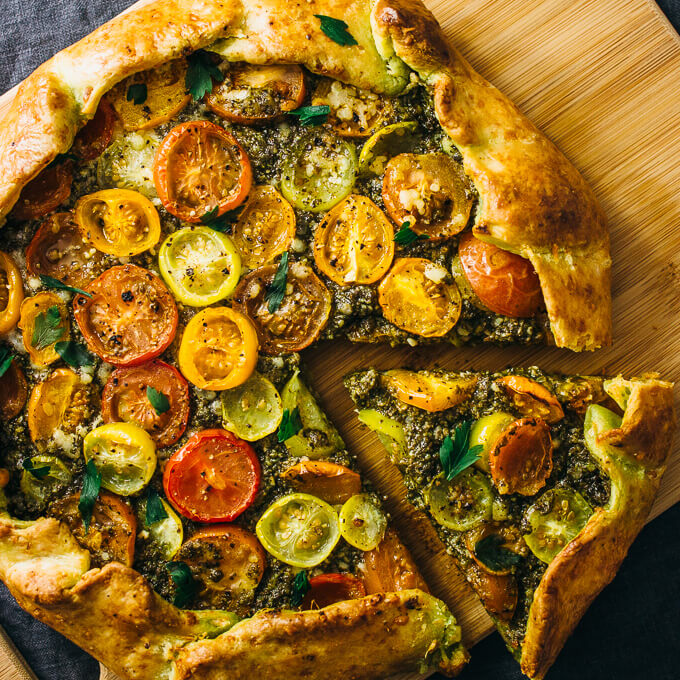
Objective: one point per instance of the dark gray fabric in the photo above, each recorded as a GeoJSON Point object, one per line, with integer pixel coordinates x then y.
{"type": "Point", "coordinates": [631, 631]}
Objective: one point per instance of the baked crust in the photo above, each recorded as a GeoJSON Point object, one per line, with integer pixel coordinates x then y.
{"type": "Point", "coordinates": [532, 201]}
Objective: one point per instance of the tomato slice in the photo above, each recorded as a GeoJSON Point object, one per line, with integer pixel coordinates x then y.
{"type": "Point", "coordinates": [498, 592]}
{"type": "Point", "coordinates": [252, 94]}
{"type": "Point", "coordinates": [228, 561]}
{"type": "Point", "coordinates": [218, 349]}
{"type": "Point", "coordinates": [113, 528]}
{"type": "Point", "coordinates": [265, 227]}
{"type": "Point", "coordinates": [213, 478]}
{"type": "Point", "coordinates": [200, 265]}
{"type": "Point", "coordinates": [299, 319]}
{"type": "Point", "coordinates": [11, 293]}
{"type": "Point", "coordinates": [390, 568]}
{"type": "Point", "coordinates": [198, 167]}
{"type": "Point", "coordinates": [429, 191]}
{"type": "Point", "coordinates": [362, 521]}
{"type": "Point", "coordinates": [44, 322]}
{"type": "Point", "coordinates": [13, 391]}
{"type": "Point", "coordinates": [95, 136]}
{"type": "Point", "coordinates": [118, 222]}
{"type": "Point", "coordinates": [39, 489]}
{"type": "Point", "coordinates": [461, 503]}
{"type": "Point", "coordinates": [521, 460]}
{"type": "Point", "coordinates": [46, 192]}
{"type": "Point", "coordinates": [58, 250]}
{"type": "Point", "coordinates": [149, 98]}
{"type": "Point", "coordinates": [130, 318]}
{"type": "Point", "coordinates": [504, 282]}
{"type": "Point", "coordinates": [428, 390]}
{"type": "Point", "coordinates": [485, 433]}
{"type": "Point", "coordinates": [328, 481]}
{"type": "Point", "coordinates": [355, 242]}
{"type": "Point", "coordinates": [416, 297]}
{"type": "Point", "coordinates": [125, 399]}
{"type": "Point", "coordinates": [327, 589]}
{"type": "Point", "coordinates": [508, 547]}
{"type": "Point", "coordinates": [531, 398]}
{"type": "Point", "coordinates": [386, 143]}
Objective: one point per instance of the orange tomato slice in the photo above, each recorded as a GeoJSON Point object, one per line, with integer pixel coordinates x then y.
{"type": "Point", "coordinates": [46, 192]}
{"type": "Point", "coordinates": [218, 349]}
{"type": "Point", "coordinates": [11, 293]}
{"type": "Point", "coordinates": [355, 242]}
{"type": "Point", "coordinates": [13, 391]}
{"type": "Point", "coordinates": [328, 481]}
{"type": "Point", "coordinates": [39, 347]}
{"type": "Point", "coordinates": [531, 398]}
{"type": "Point", "coordinates": [198, 167]}
{"type": "Point", "coordinates": [327, 589]}
{"type": "Point", "coordinates": [95, 136]}
{"type": "Point", "coordinates": [416, 297]}
{"type": "Point", "coordinates": [427, 390]}
{"type": "Point", "coordinates": [265, 227]}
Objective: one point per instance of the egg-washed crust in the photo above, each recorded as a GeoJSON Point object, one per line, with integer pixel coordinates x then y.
{"type": "Point", "coordinates": [532, 201]}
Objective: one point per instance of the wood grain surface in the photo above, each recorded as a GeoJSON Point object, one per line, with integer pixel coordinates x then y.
{"type": "Point", "coordinates": [601, 79]}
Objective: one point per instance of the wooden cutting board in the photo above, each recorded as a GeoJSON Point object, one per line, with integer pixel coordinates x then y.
{"type": "Point", "coordinates": [601, 78]}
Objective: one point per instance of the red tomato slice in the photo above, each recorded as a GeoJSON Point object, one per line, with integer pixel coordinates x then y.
{"type": "Point", "coordinates": [46, 192]}
{"type": "Point", "coordinates": [130, 318]}
{"type": "Point", "coordinates": [505, 283]}
{"type": "Point", "coordinates": [95, 136]}
{"type": "Point", "coordinates": [331, 588]}
{"type": "Point", "coordinates": [213, 478]}
{"type": "Point", "coordinates": [125, 399]}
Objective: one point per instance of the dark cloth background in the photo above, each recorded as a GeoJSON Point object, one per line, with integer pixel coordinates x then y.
{"type": "Point", "coordinates": [632, 630]}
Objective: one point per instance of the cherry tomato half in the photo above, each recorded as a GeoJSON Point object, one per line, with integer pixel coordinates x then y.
{"type": "Point", "coordinates": [213, 478]}
{"type": "Point", "coordinates": [198, 167]}
{"type": "Point", "coordinates": [95, 136]}
{"type": "Point", "coordinates": [46, 192]}
{"type": "Point", "coordinates": [13, 391]}
{"type": "Point", "coordinates": [531, 398]}
{"type": "Point", "coordinates": [11, 293]}
{"type": "Point", "coordinates": [504, 282]}
{"type": "Point", "coordinates": [327, 589]}
{"type": "Point", "coordinates": [125, 399]}
{"type": "Point", "coordinates": [44, 322]}
{"type": "Point", "coordinates": [429, 390]}
{"type": "Point", "coordinates": [130, 318]}
{"type": "Point", "coordinates": [328, 481]}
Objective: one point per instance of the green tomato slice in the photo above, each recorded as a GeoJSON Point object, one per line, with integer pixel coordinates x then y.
{"type": "Point", "coordinates": [39, 489]}
{"type": "Point", "coordinates": [252, 410]}
{"type": "Point", "coordinates": [362, 522]}
{"type": "Point", "coordinates": [200, 265]}
{"type": "Point", "coordinates": [124, 454]}
{"type": "Point", "coordinates": [556, 518]}
{"type": "Point", "coordinates": [128, 163]}
{"type": "Point", "coordinates": [390, 432]}
{"type": "Point", "coordinates": [386, 143]}
{"type": "Point", "coordinates": [318, 437]}
{"type": "Point", "coordinates": [166, 534]}
{"type": "Point", "coordinates": [320, 172]}
{"type": "Point", "coordinates": [299, 529]}
{"type": "Point", "coordinates": [462, 503]}
{"type": "Point", "coordinates": [485, 433]}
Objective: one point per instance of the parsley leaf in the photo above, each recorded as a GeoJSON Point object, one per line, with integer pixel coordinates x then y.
{"type": "Point", "coordinates": [158, 400]}
{"type": "Point", "coordinates": [201, 72]}
{"type": "Point", "coordinates": [155, 511]}
{"type": "Point", "coordinates": [47, 329]}
{"type": "Point", "coordinates": [491, 552]}
{"type": "Point", "coordinates": [277, 288]}
{"type": "Point", "coordinates": [301, 587]}
{"type": "Point", "coordinates": [73, 353]}
{"type": "Point", "coordinates": [312, 115]}
{"type": "Point", "coordinates": [405, 236]}
{"type": "Point", "coordinates": [5, 360]}
{"type": "Point", "coordinates": [136, 93]}
{"type": "Point", "coordinates": [92, 482]}
{"type": "Point", "coordinates": [185, 586]}
{"type": "Point", "coordinates": [51, 282]}
{"type": "Point", "coordinates": [223, 222]}
{"type": "Point", "coordinates": [455, 454]}
{"type": "Point", "coordinates": [336, 30]}
{"type": "Point", "coordinates": [290, 424]}
{"type": "Point", "coordinates": [37, 472]}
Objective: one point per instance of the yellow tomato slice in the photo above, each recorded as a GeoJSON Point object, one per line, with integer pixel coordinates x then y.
{"type": "Point", "coordinates": [218, 349]}
{"type": "Point", "coordinates": [200, 265]}
{"type": "Point", "coordinates": [386, 143]}
{"type": "Point", "coordinates": [118, 222]}
{"type": "Point", "coordinates": [416, 297]}
{"type": "Point", "coordinates": [44, 322]}
{"type": "Point", "coordinates": [355, 242]}
{"type": "Point", "coordinates": [265, 227]}
{"type": "Point", "coordinates": [11, 293]}
{"type": "Point", "coordinates": [428, 390]}
{"type": "Point", "coordinates": [149, 98]}
{"type": "Point", "coordinates": [39, 487]}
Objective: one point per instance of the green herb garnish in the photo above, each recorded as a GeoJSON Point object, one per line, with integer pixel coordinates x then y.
{"type": "Point", "coordinates": [201, 72]}
{"type": "Point", "coordinates": [405, 236]}
{"type": "Point", "coordinates": [136, 93]}
{"type": "Point", "coordinates": [37, 472]}
{"type": "Point", "coordinates": [74, 354]}
{"type": "Point", "coordinates": [222, 223]}
{"type": "Point", "coordinates": [491, 552]}
{"type": "Point", "coordinates": [185, 586]}
{"type": "Point", "coordinates": [158, 400]}
{"type": "Point", "coordinates": [301, 587]}
{"type": "Point", "coordinates": [290, 424]}
{"type": "Point", "coordinates": [155, 510]}
{"type": "Point", "coordinates": [312, 115]}
{"type": "Point", "coordinates": [277, 288]}
{"type": "Point", "coordinates": [47, 329]}
{"type": "Point", "coordinates": [336, 30]}
{"type": "Point", "coordinates": [455, 454]}
{"type": "Point", "coordinates": [92, 483]}
{"type": "Point", "coordinates": [51, 282]}
{"type": "Point", "coordinates": [5, 360]}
